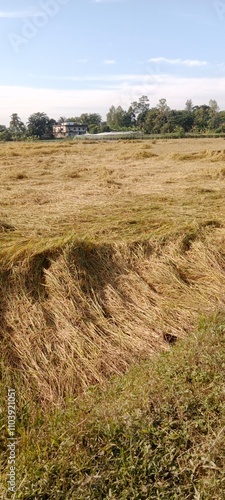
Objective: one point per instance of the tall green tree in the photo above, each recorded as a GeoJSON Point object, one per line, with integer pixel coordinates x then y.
{"type": "Point", "coordinates": [61, 119]}
{"type": "Point", "coordinates": [156, 119]}
{"type": "Point", "coordinates": [189, 105]}
{"type": "Point", "coordinates": [213, 114]}
{"type": "Point", "coordinates": [141, 105]}
{"type": "Point", "coordinates": [163, 107]}
{"type": "Point", "coordinates": [16, 127]}
{"type": "Point", "coordinates": [154, 122]}
{"type": "Point", "coordinates": [183, 119]}
{"type": "Point", "coordinates": [140, 109]}
{"type": "Point", "coordinates": [91, 119]}
{"type": "Point", "coordinates": [40, 125]}
{"type": "Point", "coordinates": [118, 118]}
{"type": "Point", "coordinates": [111, 117]}
{"type": "Point", "coordinates": [201, 117]}
{"type": "Point", "coordinates": [214, 105]}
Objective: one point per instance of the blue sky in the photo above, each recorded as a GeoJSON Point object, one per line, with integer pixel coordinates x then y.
{"type": "Point", "coordinates": [66, 57]}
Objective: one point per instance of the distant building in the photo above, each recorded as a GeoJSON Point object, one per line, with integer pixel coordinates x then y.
{"type": "Point", "coordinates": [68, 129]}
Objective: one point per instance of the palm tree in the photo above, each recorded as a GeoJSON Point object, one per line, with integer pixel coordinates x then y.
{"type": "Point", "coordinates": [16, 126]}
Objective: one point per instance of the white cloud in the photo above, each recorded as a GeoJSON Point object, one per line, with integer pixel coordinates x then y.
{"type": "Point", "coordinates": [121, 90]}
{"type": "Point", "coordinates": [109, 61]}
{"type": "Point", "coordinates": [15, 14]}
{"type": "Point", "coordinates": [95, 78]}
{"type": "Point", "coordinates": [82, 61]}
{"type": "Point", "coordinates": [183, 62]}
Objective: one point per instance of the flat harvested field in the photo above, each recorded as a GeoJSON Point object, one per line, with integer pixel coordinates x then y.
{"type": "Point", "coordinates": [110, 190]}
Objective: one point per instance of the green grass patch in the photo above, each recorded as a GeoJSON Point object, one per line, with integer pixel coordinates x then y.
{"type": "Point", "coordinates": [156, 432]}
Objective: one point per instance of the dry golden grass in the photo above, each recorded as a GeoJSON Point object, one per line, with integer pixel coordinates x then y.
{"type": "Point", "coordinates": [109, 251]}
{"type": "Point", "coordinates": [101, 189]}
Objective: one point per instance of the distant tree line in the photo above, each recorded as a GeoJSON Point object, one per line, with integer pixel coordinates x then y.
{"type": "Point", "coordinates": [163, 120]}
{"type": "Point", "coordinates": [139, 117]}
{"type": "Point", "coordinates": [39, 126]}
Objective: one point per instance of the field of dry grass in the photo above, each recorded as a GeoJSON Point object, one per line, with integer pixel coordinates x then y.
{"type": "Point", "coordinates": [107, 190]}
{"type": "Point", "coordinates": [109, 253]}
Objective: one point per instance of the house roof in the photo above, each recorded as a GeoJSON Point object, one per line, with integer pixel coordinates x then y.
{"type": "Point", "coordinates": [71, 124]}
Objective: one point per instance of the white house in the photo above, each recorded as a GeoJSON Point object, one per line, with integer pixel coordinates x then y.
{"type": "Point", "coordinates": [68, 129]}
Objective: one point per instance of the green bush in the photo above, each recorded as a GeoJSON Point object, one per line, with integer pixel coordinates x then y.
{"type": "Point", "coordinates": [5, 135]}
